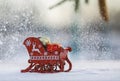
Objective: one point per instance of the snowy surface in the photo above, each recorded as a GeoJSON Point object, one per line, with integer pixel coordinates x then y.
{"type": "Point", "coordinates": [81, 71]}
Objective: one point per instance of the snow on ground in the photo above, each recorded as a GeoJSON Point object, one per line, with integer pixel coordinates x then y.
{"type": "Point", "coordinates": [81, 71]}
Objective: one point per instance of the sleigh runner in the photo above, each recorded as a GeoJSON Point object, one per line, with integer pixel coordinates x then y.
{"type": "Point", "coordinates": [46, 57]}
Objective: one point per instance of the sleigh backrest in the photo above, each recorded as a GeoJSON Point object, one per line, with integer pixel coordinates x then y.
{"type": "Point", "coordinates": [36, 49]}
{"type": "Point", "coordinates": [34, 46]}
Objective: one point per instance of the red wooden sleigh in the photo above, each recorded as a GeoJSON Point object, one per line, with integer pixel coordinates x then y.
{"type": "Point", "coordinates": [47, 58]}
